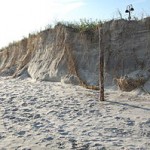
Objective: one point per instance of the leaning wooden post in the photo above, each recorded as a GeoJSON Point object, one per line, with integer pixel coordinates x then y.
{"type": "Point", "coordinates": [101, 71]}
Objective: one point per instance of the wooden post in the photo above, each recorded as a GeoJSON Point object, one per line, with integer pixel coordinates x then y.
{"type": "Point", "coordinates": [101, 71]}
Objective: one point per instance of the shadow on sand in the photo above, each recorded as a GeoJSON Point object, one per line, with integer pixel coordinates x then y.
{"type": "Point", "coordinates": [128, 105]}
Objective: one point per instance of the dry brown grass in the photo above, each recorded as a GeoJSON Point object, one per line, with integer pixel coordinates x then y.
{"type": "Point", "coordinates": [129, 84]}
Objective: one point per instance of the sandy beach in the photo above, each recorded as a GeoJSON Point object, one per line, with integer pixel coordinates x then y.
{"type": "Point", "coordinates": [51, 115]}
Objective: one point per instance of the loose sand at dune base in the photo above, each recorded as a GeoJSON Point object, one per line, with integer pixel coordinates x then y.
{"type": "Point", "coordinates": [51, 115]}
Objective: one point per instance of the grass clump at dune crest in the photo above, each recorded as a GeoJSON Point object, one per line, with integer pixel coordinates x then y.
{"type": "Point", "coordinates": [82, 25]}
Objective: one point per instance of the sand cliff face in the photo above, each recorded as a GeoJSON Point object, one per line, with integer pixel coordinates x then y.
{"type": "Point", "coordinates": [55, 54]}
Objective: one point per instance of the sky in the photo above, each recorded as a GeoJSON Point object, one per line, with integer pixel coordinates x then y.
{"type": "Point", "coordinates": [18, 18]}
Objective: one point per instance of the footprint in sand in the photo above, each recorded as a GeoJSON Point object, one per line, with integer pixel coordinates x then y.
{"type": "Point", "coordinates": [62, 132]}
{"type": "Point", "coordinates": [21, 133]}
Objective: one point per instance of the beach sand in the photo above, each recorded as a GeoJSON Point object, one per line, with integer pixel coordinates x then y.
{"type": "Point", "coordinates": [51, 116]}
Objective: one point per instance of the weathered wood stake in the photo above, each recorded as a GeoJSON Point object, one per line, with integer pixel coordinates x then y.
{"type": "Point", "coordinates": [101, 71]}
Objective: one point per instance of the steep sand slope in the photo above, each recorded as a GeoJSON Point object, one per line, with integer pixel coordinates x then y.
{"type": "Point", "coordinates": [54, 53]}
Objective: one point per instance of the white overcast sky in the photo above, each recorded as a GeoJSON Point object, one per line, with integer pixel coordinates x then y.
{"type": "Point", "coordinates": [18, 18]}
